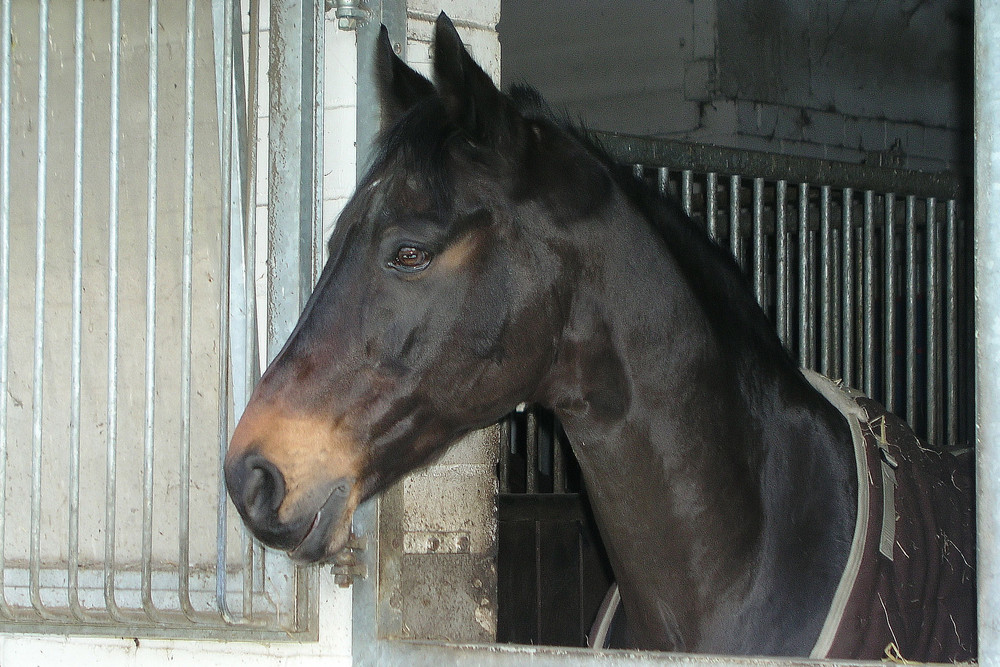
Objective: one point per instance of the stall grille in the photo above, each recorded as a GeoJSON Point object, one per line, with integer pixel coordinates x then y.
{"type": "Point", "coordinates": [127, 329]}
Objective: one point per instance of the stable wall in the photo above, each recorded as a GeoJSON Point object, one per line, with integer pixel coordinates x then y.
{"type": "Point", "coordinates": [881, 83]}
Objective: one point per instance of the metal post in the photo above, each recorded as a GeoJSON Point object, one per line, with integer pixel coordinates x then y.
{"type": "Point", "coordinates": [987, 280]}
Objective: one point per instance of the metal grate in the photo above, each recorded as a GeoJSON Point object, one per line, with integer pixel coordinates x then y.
{"type": "Point", "coordinates": [127, 331]}
{"type": "Point", "coordinates": [865, 271]}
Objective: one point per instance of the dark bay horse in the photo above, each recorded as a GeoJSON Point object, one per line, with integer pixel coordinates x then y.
{"type": "Point", "coordinates": [492, 256]}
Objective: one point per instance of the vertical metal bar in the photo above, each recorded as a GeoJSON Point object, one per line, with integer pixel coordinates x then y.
{"type": "Point", "coordinates": [111, 488]}
{"type": "Point", "coordinates": [5, 102]}
{"type": "Point", "coordinates": [503, 467]}
{"type": "Point", "coordinates": [911, 309]}
{"type": "Point", "coordinates": [735, 236]}
{"type": "Point", "coordinates": [889, 305]}
{"type": "Point", "coordinates": [805, 315]}
{"type": "Point", "coordinates": [758, 241]}
{"type": "Point", "coordinates": [933, 323]}
{"type": "Point", "coordinates": [711, 205]}
{"type": "Point", "coordinates": [826, 283]}
{"type": "Point", "coordinates": [73, 563]}
{"type": "Point", "coordinates": [226, 90]}
{"type": "Point", "coordinates": [847, 317]}
{"type": "Point", "coordinates": [781, 270]}
{"type": "Point", "coordinates": [252, 372]}
{"type": "Point", "coordinates": [187, 248]}
{"type": "Point", "coordinates": [868, 278]}
{"type": "Point", "coordinates": [38, 366]}
{"type": "Point", "coordinates": [686, 190]}
{"type": "Point", "coordinates": [531, 452]}
{"type": "Point", "coordinates": [663, 180]}
{"type": "Point", "coordinates": [559, 447]}
{"type": "Point", "coordinates": [987, 316]}
{"type": "Point", "coordinates": [638, 171]}
{"type": "Point", "coordinates": [951, 324]}
{"type": "Point", "coordinates": [150, 351]}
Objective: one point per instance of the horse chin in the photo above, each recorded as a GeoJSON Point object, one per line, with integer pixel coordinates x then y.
{"type": "Point", "coordinates": [330, 529]}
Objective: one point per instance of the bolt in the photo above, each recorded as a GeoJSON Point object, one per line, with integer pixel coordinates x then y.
{"type": "Point", "coordinates": [433, 543]}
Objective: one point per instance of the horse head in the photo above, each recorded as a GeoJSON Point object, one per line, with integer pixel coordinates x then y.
{"type": "Point", "coordinates": [437, 312]}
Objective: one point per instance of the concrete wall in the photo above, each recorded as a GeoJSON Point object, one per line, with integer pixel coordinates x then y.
{"type": "Point", "coordinates": [884, 83]}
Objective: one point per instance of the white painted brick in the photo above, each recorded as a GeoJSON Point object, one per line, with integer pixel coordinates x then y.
{"type": "Point", "coordinates": [264, 18]}
{"type": "Point", "coordinates": [485, 14]}
{"type": "Point", "coordinates": [339, 152]}
{"type": "Point", "coordinates": [340, 66]}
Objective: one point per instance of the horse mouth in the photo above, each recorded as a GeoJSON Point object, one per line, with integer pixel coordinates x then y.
{"type": "Point", "coordinates": [331, 526]}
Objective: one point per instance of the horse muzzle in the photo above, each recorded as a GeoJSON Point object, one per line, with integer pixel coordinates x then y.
{"type": "Point", "coordinates": [293, 481]}
{"type": "Point", "coordinates": [258, 490]}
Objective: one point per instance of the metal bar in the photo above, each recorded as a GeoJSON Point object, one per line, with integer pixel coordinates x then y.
{"type": "Point", "coordinates": [952, 346]}
{"type": "Point", "coordinates": [888, 304]}
{"type": "Point", "coordinates": [150, 351]}
{"type": "Point", "coordinates": [663, 181]}
{"type": "Point", "coordinates": [911, 308]}
{"type": "Point", "coordinates": [804, 263]}
{"type": "Point", "coordinates": [712, 205]}
{"type": "Point", "coordinates": [703, 158]}
{"type": "Point", "coordinates": [987, 303]}
{"type": "Point", "coordinates": [933, 322]}
{"type": "Point", "coordinates": [826, 283]}
{"type": "Point", "coordinates": [868, 280]}
{"type": "Point", "coordinates": [685, 190]}
{"type": "Point", "coordinates": [38, 365]}
{"type": "Point", "coordinates": [111, 492]}
{"type": "Point", "coordinates": [847, 317]}
{"type": "Point", "coordinates": [73, 562]}
{"type": "Point", "coordinates": [782, 313]}
{"type": "Point", "coordinates": [252, 371]}
{"type": "Point", "coordinates": [559, 459]}
{"type": "Point", "coordinates": [812, 294]}
{"type": "Point", "coordinates": [187, 248]}
{"type": "Point", "coordinates": [735, 237]}
{"type": "Point", "coordinates": [503, 467]}
{"type": "Point", "coordinates": [758, 240]}
{"type": "Point", "coordinates": [5, 106]}
{"type": "Point", "coordinates": [531, 452]}
{"type": "Point", "coordinates": [225, 86]}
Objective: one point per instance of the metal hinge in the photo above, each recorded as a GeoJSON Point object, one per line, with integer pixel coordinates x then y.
{"type": "Point", "coordinates": [347, 564]}
{"type": "Point", "coordinates": [350, 14]}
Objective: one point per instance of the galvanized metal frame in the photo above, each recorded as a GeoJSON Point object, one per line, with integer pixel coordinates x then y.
{"type": "Point", "coordinates": [265, 577]}
{"type": "Point", "coordinates": [987, 266]}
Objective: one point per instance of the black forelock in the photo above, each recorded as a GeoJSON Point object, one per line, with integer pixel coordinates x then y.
{"type": "Point", "coordinates": [418, 146]}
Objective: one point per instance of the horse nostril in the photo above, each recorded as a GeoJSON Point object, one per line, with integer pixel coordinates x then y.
{"type": "Point", "coordinates": [263, 490]}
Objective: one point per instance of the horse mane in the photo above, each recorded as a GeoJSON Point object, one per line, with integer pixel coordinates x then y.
{"type": "Point", "coordinates": [714, 275]}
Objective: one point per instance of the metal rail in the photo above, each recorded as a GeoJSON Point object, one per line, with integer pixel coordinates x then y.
{"type": "Point", "coordinates": [860, 277]}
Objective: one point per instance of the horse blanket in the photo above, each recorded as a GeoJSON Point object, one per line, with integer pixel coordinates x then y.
{"type": "Point", "coordinates": [908, 589]}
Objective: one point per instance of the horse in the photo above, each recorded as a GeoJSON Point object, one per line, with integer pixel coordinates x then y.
{"type": "Point", "coordinates": [492, 256]}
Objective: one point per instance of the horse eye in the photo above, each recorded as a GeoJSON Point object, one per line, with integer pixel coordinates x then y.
{"type": "Point", "coordinates": [409, 258]}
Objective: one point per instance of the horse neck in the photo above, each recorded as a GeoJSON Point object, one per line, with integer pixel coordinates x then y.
{"type": "Point", "coordinates": [688, 439]}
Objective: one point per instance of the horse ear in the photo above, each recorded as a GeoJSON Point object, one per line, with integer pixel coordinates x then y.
{"type": "Point", "coordinates": [399, 86]}
{"type": "Point", "coordinates": [469, 95]}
